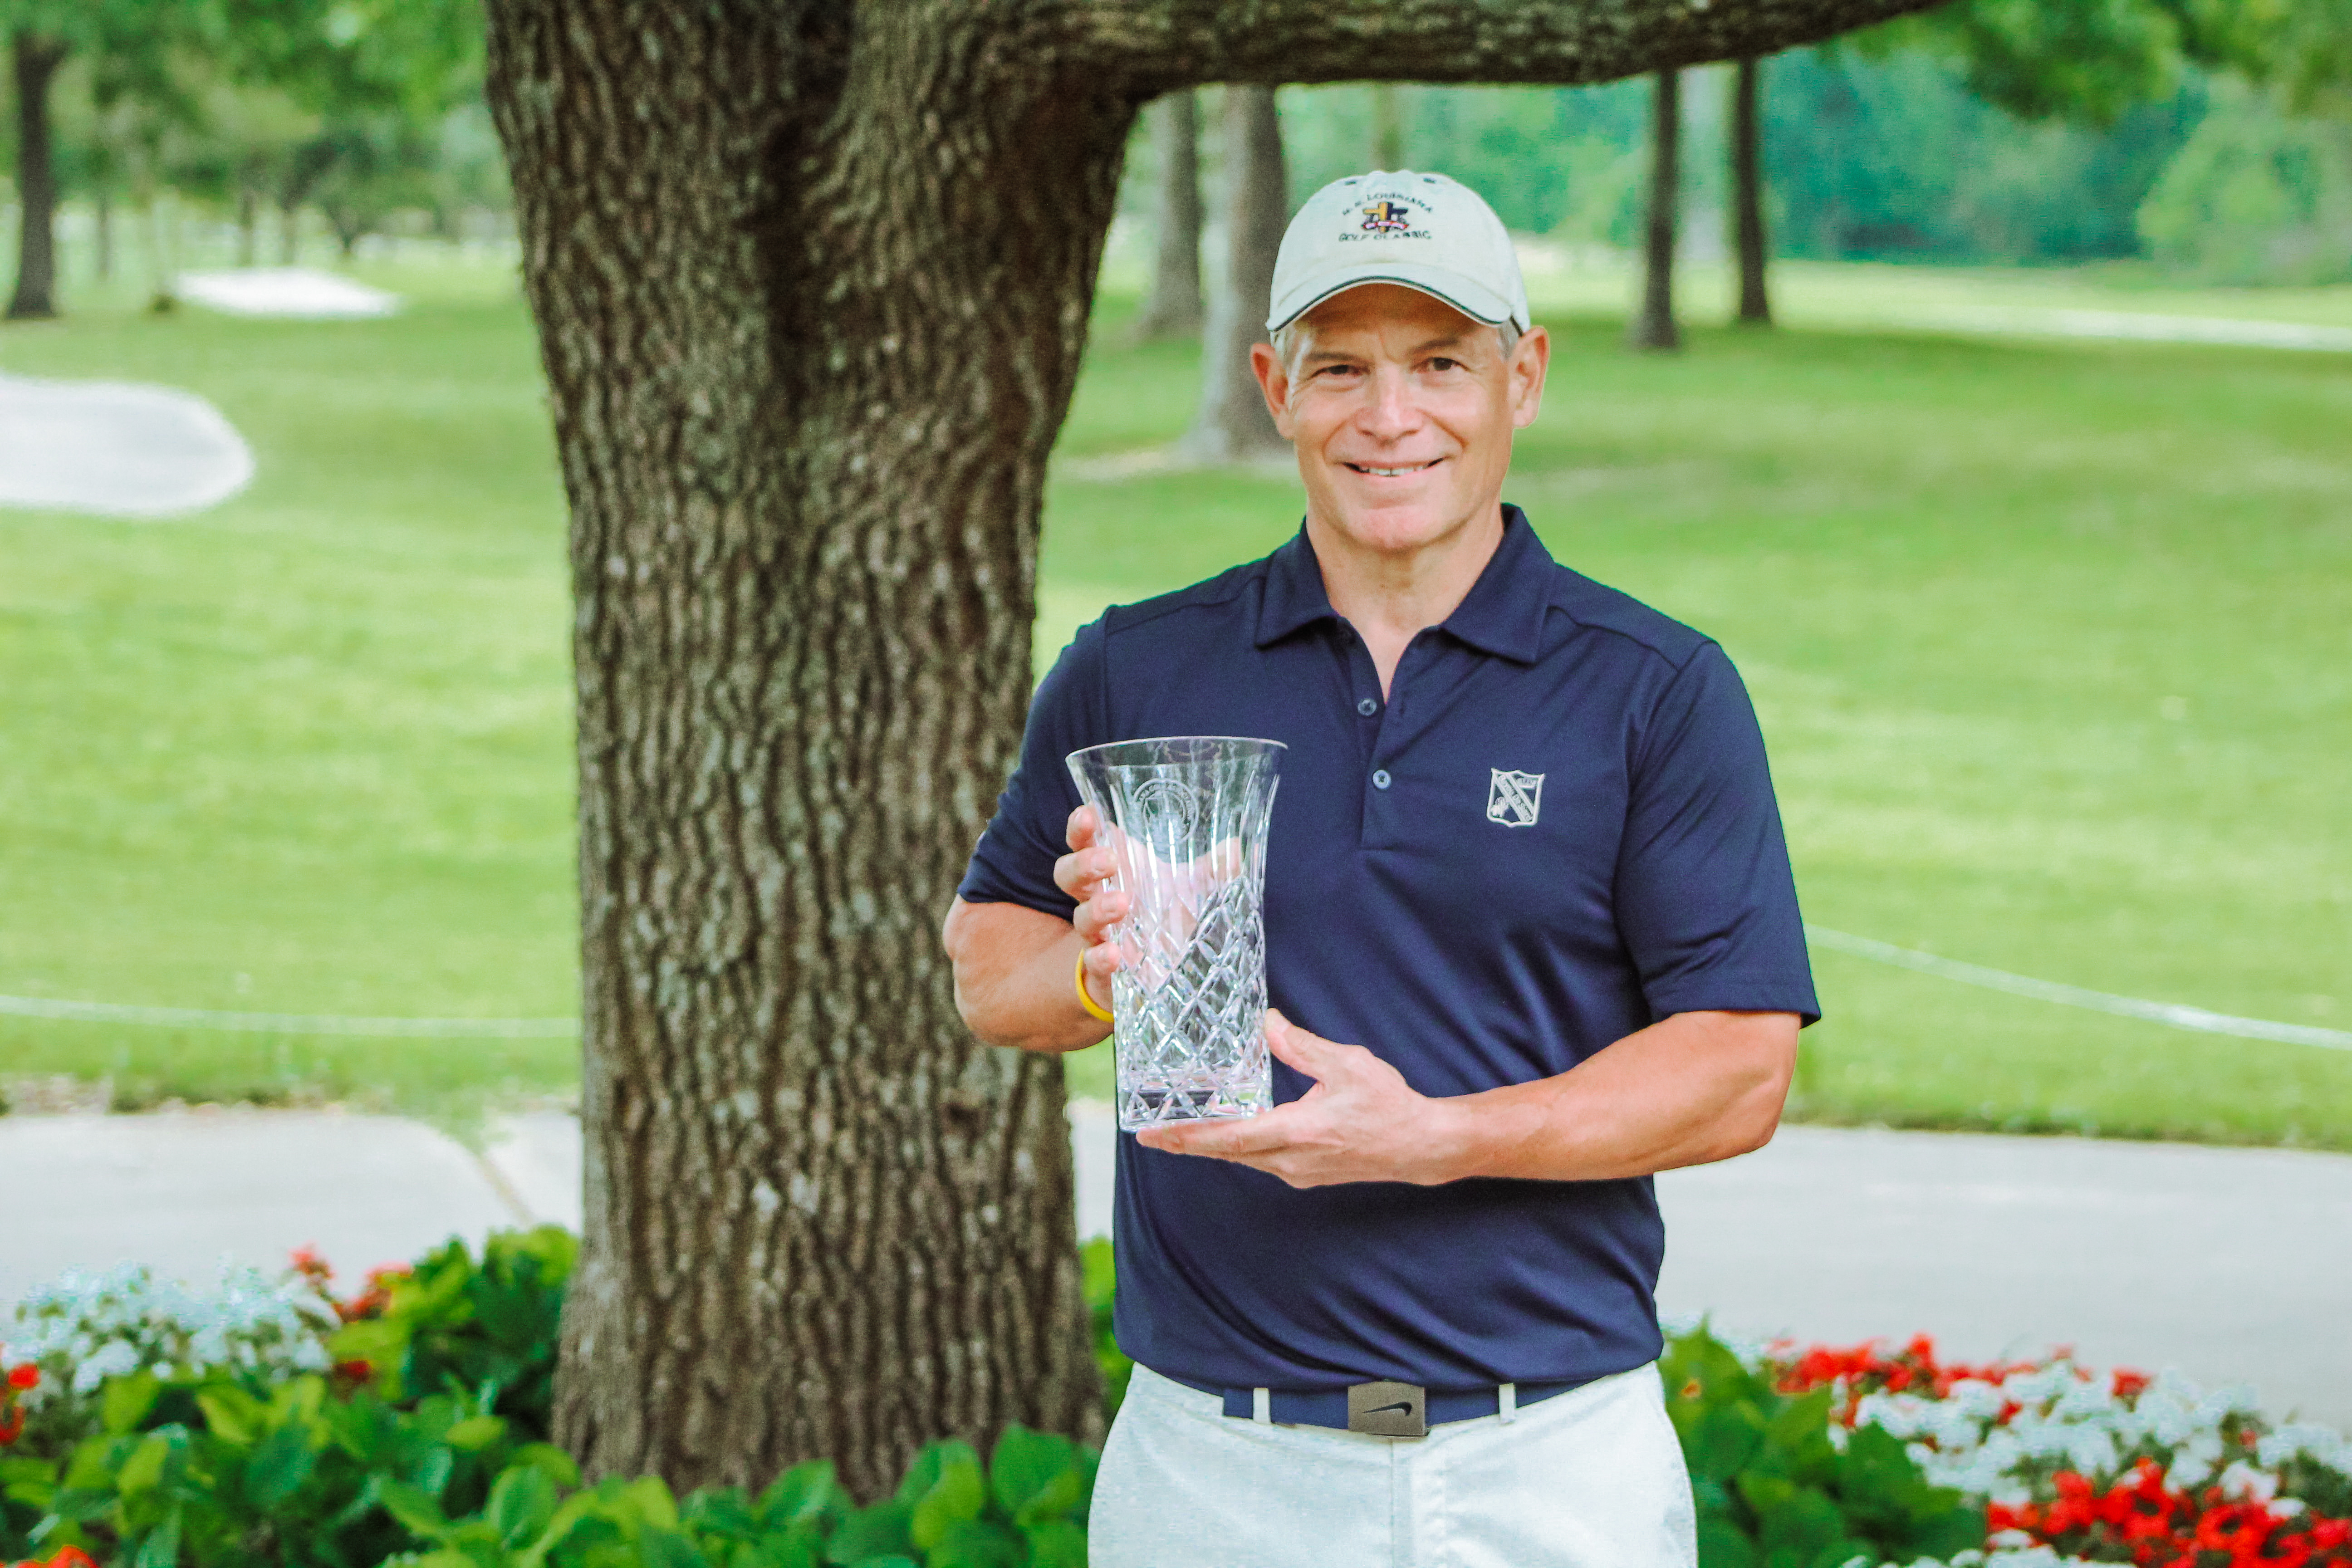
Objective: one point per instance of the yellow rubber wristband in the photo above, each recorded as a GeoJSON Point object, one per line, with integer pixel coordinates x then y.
{"type": "Point", "coordinates": [1085, 997]}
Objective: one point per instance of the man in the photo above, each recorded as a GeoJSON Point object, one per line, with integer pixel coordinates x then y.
{"type": "Point", "coordinates": [1531, 936]}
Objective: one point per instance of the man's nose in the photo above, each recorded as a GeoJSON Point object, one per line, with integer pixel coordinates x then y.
{"type": "Point", "coordinates": [1389, 409]}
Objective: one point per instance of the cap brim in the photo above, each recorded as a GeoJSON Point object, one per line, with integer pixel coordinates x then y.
{"type": "Point", "coordinates": [1466, 294]}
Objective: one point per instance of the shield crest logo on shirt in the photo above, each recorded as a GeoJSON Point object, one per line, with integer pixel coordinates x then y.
{"type": "Point", "coordinates": [1513, 799]}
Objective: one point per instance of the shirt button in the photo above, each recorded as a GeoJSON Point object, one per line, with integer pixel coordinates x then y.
{"type": "Point", "coordinates": [1380, 778]}
{"type": "Point", "coordinates": [1367, 707]}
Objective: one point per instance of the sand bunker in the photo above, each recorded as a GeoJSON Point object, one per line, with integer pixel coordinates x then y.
{"type": "Point", "coordinates": [115, 449]}
{"type": "Point", "coordinates": [291, 291]}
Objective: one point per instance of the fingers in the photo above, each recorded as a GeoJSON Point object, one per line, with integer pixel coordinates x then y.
{"type": "Point", "coordinates": [1102, 961]}
{"type": "Point", "coordinates": [1085, 827]}
{"type": "Point", "coordinates": [1310, 1053]}
{"type": "Point", "coordinates": [1095, 918]}
{"type": "Point", "coordinates": [1267, 1133]}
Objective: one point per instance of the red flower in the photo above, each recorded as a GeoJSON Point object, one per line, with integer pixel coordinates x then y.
{"type": "Point", "coordinates": [2158, 1527]}
{"type": "Point", "coordinates": [25, 1376]}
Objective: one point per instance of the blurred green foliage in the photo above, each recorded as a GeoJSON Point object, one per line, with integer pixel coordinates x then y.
{"type": "Point", "coordinates": [1867, 157]}
{"type": "Point", "coordinates": [2256, 195]}
{"type": "Point", "coordinates": [1990, 131]}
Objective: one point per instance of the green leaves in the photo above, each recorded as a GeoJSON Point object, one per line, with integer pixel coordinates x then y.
{"type": "Point", "coordinates": [1035, 1476]}
{"type": "Point", "coordinates": [958, 1493]}
{"type": "Point", "coordinates": [457, 1325]}
{"type": "Point", "coordinates": [434, 1463]}
{"type": "Point", "coordinates": [124, 1402]}
{"type": "Point", "coordinates": [879, 1532]}
{"type": "Point", "coordinates": [1776, 1490]}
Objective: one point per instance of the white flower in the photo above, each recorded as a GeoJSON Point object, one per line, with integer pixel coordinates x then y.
{"type": "Point", "coordinates": [82, 1329]}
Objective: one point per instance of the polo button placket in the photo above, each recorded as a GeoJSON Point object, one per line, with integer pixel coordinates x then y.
{"type": "Point", "coordinates": [1367, 707]}
{"type": "Point", "coordinates": [1380, 778]}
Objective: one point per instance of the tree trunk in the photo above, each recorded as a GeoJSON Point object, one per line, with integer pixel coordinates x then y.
{"type": "Point", "coordinates": [1388, 126]}
{"type": "Point", "coordinates": [35, 60]}
{"type": "Point", "coordinates": [1173, 309]}
{"type": "Point", "coordinates": [1747, 144]}
{"type": "Point", "coordinates": [1230, 424]}
{"type": "Point", "coordinates": [289, 234]}
{"type": "Point", "coordinates": [163, 216]}
{"type": "Point", "coordinates": [104, 203]}
{"type": "Point", "coordinates": [248, 224]}
{"type": "Point", "coordinates": [821, 1219]}
{"type": "Point", "coordinates": [812, 281]}
{"type": "Point", "coordinates": [1654, 324]}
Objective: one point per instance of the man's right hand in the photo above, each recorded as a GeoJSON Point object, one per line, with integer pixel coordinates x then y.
{"type": "Point", "coordinates": [1016, 968]}
{"type": "Point", "coordinates": [1082, 873]}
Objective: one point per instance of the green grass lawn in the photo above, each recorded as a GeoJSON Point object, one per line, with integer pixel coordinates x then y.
{"type": "Point", "coordinates": [2051, 642]}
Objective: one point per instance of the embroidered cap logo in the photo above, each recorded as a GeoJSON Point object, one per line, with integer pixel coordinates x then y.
{"type": "Point", "coordinates": [1387, 218]}
{"type": "Point", "coordinates": [1513, 799]}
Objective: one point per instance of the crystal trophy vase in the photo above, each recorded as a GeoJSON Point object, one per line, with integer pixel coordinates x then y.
{"type": "Point", "coordinates": [1186, 817]}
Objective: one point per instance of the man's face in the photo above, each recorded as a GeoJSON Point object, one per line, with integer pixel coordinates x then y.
{"type": "Point", "coordinates": [1401, 408]}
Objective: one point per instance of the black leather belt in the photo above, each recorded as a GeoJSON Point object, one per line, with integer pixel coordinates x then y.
{"type": "Point", "coordinates": [1381, 1409]}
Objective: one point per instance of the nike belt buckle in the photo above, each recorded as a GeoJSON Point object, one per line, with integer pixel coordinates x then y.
{"type": "Point", "coordinates": [1388, 1410]}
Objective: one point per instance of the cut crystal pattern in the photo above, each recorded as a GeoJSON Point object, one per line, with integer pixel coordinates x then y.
{"type": "Point", "coordinates": [1187, 818]}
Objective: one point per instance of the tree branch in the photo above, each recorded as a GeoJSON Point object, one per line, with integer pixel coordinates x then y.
{"type": "Point", "coordinates": [1158, 45]}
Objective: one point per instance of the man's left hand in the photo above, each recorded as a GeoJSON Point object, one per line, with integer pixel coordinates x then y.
{"type": "Point", "coordinates": [1360, 1123]}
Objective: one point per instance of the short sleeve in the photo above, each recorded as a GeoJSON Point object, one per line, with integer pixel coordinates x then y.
{"type": "Point", "coordinates": [1013, 863]}
{"type": "Point", "coordinates": [1707, 904]}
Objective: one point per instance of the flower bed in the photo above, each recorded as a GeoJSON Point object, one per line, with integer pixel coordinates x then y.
{"type": "Point", "coordinates": [267, 1421]}
{"type": "Point", "coordinates": [2116, 1467]}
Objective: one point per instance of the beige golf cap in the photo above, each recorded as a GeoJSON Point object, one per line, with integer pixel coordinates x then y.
{"type": "Point", "coordinates": [1424, 231]}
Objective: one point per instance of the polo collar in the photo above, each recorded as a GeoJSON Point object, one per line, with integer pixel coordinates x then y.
{"type": "Point", "coordinates": [1503, 613]}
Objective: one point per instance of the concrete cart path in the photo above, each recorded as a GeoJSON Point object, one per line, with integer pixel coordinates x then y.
{"type": "Point", "coordinates": [2232, 1265]}
{"type": "Point", "coordinates": [181, 1191]}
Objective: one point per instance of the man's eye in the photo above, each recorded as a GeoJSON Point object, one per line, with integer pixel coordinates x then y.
{"type": "Point", "coordinates": [1445, 365]}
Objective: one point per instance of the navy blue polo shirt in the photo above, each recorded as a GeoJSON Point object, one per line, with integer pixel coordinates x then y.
{"type": "Point", "coordinates": [1558, 829]}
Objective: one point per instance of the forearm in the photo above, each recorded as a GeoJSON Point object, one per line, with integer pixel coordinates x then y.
{"type": "Point", "coordinates": [1695, 1088]}
{"type": "Point", "coordinates": [1015, 973]}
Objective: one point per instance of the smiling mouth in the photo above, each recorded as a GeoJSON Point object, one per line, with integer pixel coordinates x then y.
{"type": "Point", "coordinates": [1392, 473]}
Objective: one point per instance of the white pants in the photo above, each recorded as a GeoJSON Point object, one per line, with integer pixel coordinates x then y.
{"type": "Point", "coordinates": [1589, 1479]}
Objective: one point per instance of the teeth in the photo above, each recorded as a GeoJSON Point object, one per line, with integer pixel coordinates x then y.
{"type": "Point", "coordinates": [1391, 473]}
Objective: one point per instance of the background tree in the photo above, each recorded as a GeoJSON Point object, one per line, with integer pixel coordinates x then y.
{"type": "Point", "coordinates": [1172, 308]}
{"type": "Point", "coordinates": [1230, 423]}
{"type": "Point", "coordinates": [1388, 126]}
{"type": "Point", "coordinates": [2310, 49]}
{"type": "Point", "coordinates": [376, 82]}
{"type": "Point", "coordinates": [41, 33]}
{"type": "Point", "coordinates": [1744, 142]}
{"type": "Point", "coordinates": [812, 282]}
{"type": "Point", "coordinates": [1654, 326]}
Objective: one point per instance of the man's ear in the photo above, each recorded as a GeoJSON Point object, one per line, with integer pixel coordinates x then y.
{"type": "Point", "coordinates": [1529, 362]}
{"type": "Point", "coordinates": [1274, 380]}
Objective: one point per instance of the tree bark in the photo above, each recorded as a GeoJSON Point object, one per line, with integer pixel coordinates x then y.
{"type": "Point", "coordinates": [1388, 127]}
{"type": "Point", "coordinates": [1654, 324]}
{"type": "Point", "coordinates": [1747, 144]}
{"type": "Point", "coordinates": [812, 279]}
{"type": "Point", "coordinates": [1173, 307]}
{"type": "Point", "coordinates": [104, 223]}
{"type": "Point", "coordinates": [807, 355]}
{"type": "Point", "coordinates": [1230, 424]}
{"type": "Point", "coordinates": [35, 60]}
